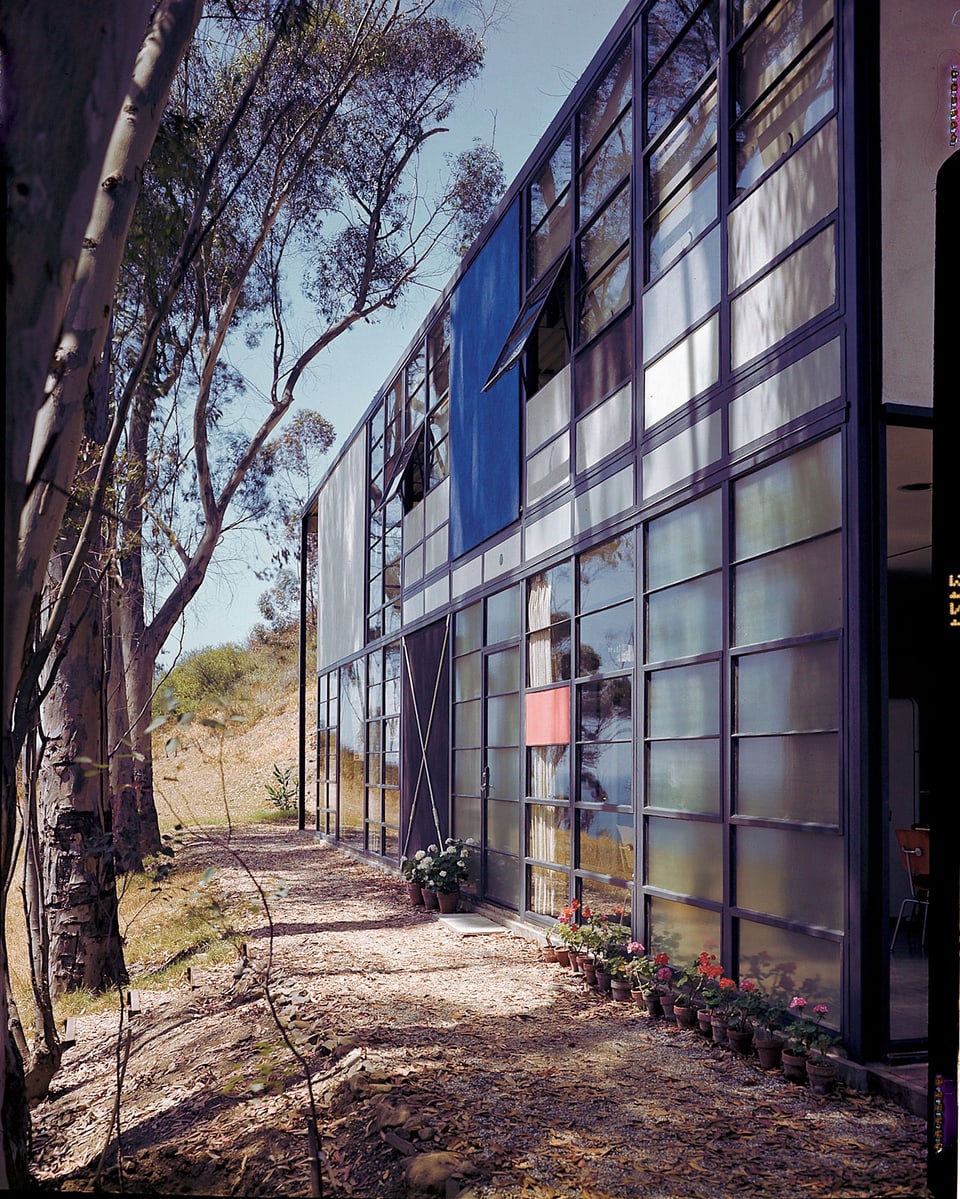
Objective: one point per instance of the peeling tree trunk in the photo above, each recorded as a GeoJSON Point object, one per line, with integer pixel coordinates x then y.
{"type": "Point", "coordinates": [75, 834]}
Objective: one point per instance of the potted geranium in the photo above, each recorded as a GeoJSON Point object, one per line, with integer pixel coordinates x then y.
{"type": "Point", "coordinates": [770, 1014]}
{"type": "Point", "coordinates": [810, 1041]}
{"type": "Point", "coordinates": [567, 931]}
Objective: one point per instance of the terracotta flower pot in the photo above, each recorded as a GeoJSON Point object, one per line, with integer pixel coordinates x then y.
{"type": "Point", "coordinates": [589, 973]}
{"type": "Point", "coordinates": [794, 1066]}
{"type": "Point", "coordinates": [685, 1015]}
{"type": "Point", "coordinates": [822, 1076]}
{"type": "Point", "coordinates": [620, 989]}
{"type": "Point", "coordinates": [667, 1004]}
{"type": "Point", "coordinates": [769, 1051]}
{"type": "Point", "coordinates": [652, 1001]}
{"type": "Point", "coordinates": [718, 1030]}
{"type": "Point", "coordinates": [705, 1021]}
{"type": "Point", "coordinates": [448, 901]}
{"type": "Point", "coordinates": [603, 980]}
{"type": "Point", "coordinates": [415, 894]}
{"type": "Point", "coordinates": [740, 1040]}
{"type": "Point", "coordinates": [563, 957]}
{"type": "Point", "coordinates": [430, 899]}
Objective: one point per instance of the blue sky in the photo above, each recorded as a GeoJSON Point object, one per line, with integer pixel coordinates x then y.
{"type": "Point", "coordinates": [534, 58]}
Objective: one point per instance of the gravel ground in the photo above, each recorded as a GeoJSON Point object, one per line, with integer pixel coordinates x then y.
{"type": "Point", "coordinates": [463, 1064]}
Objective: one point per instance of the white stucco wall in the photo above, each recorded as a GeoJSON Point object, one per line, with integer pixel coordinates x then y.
{"type": "Point", "coordinates": [918, 44]}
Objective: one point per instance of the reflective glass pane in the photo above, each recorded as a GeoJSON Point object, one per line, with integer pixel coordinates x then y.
{"type": "Point", "coordinates": [606, 843]}
{"type": "Point", "coordinates": [503, 720]}
{"type": "Point", "coordinates": [466, 771]}
{"type": "Point", "coordinates": [682, 296]}
{"type": "Point", "coordinates": [616, 902]}
{"type": "Point", "coordinates": [685, 856]}
{"type": "Point", "coordinates": [550, 239]}
{"type": "Point", "coordinates": [606, 573]}
{"type": "Point", "coordinates": [683, 218]}
{"type": "Point", "coordinates": [682, 930]}
{"type": "Point", "coordinates": [803, 99]}
{"type": "Point", "coordinates": [548, 772]}
{"type": "Point", "coordinates": [548, 834]}
{"type": "Point", "coordinates": [391, 769]}
{"type": "Point", "coordinates": [551, 183]}
{"type": "Point", "coordinates": [679, 73]}
{"type": "Point", "coordinates": [791, 592]}
{"type": "Point", "coordinates": [686, 619]}
{"type": "Point", "coordinates": [504, 776]}
{"type": "Point", "coordinates": [548, 656]}
{"type": "Point", "coordinates": [770, 49]}
{"type": "Point", "coordinates": [810, 892]}
{"type": "Point", "coordinates": [503, 879]}
{"type": "Point", "coordinates": [468, 629]}
{"type": "Point", "coordinates": [685, 542]}
{"type": "Point", "coordinates": [391, 806]}
{"type": "Point", "coordinates": [788, 963]}
{"type": "Point", "coordinates": [466, 723]}
{"type": "Point", "coordinates": [606, 235]}
{"type": "Point", "coordinates": [503, 672]}
{"type": "Point", "coordinates": [373, 768]}
{"type": "Point", "coordinates": [610, 164]}
{"type": "Point", "coordinates": [789, 778]}
{"type": "Point", "coordinates": [605, 710]}
{"type": "Point", "coordinates": [602, 107]}
{"type": "Point", "coordinates": [789, 501]}
{"type": "Point", "coordinates": [684, 775]}
{"type": "Point", "coordinates": [606, 773]}
{"type": "Point", "coordinates": [789, 690]}
{"type": "Point", "coordinates": [547, 890]}
{"type": "Point", "coordinates": [684, 701]}
{"type": "Point", "coordinates": [550, 596]}
{"type": "Point", "coordinates": [466, 818]}
{"type": "Point", "coordinates": [503, 615]}
{"type": "Point", "coordinates": [606, 641]}
{"type": "Point", "coordinates": [606, 295]}
{"type": "Point", "coordinates": [683, 148]}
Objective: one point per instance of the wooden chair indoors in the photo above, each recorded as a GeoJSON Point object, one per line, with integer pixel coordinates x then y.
{"type": "Point", "coordinates": [915, 850]}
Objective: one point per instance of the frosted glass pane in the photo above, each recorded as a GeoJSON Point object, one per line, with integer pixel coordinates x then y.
{"type": "Point", "coordinates": [547, 890]}
{"type": "Point", "coordinates": [503, 672]}
{"type": "Point", "coordinates": [684, 775]}
{"type": "Point", "coordinates": [548, 532]}
{"type": "Point", "coordinates": [342, 504]}
{"type": "Point", "coordinates": [682, 930]}
{"type": "Point", "coordinates": [468, 629]}
{"type": "Point", "coordinates": [436, 550]}
{"type": "Point", "coordinates": [504, 777]}
{"type": "Point", "coordinates": [548, 411]}
{"type": "Point", "coordinates": [466, 818]}
{"type": "Point", "coordinates": [606, 573]}
{"type": "Point", "coordinates": [548, 469]}
{"type": "Point", "coordinates": [683, 372]}
{"type": "Point", "coordinates": [606, 773]}
{"type": "Point", "coordinates": [503, 615]}
{"type": "Point", "coordinates": [606, 843]}
{"type": "Point", "coordinates": [548, 772]}
{"type": "Point", "coordinates": [789, 778]}
{"type": "Point", "coordinates": [791, 500]}
{"type": "Point", "coordinates": [689, 452]}
{"type": "Point", "coordinates": [810, 892]}
{"type": "Point", "coordinates": [685, 856]}
{"type": "Point", "coordinates": [791, 200]}
{"type": "Point", "coordinates": [605, 430]}
{"type": "Point", "coordinates": [503, 720]}
{"type": "Point", "coordinates": [548, 834]}
{"type": "Point", "coordinates": [466, 723]}
{"type": "Point", "coordinates": [685, 542]}
{"type": "Point", "coordinates": [606, 641]}
{"type": "Point", "coordinates": [678, 224]}
{"type": "Point", "coordinates": [791, 592]}
{"type": "Point", "coordinates": [685, 620]}
{"type": "Point", "coordinates": [683, 296]}
{"type": "Point", "coordinates": [503, 830]}
{"type": "Point", "coordinates": [788, 964]}
{"type": "Point", "coordinates": [503, 879]}
{"type": "Point", "coordinates": [789, 690]}
{"type": "Point", "coordinates": [684, 701]}
{"type": "Point", "coordinates": [466, 677]}
{"type": "Point", "coordinates": [466, 771]}
{"type": "Point", "coordinates": [794, 292]}
{"type": "Point", "coordinates": [801, 387]}
{"type": "Point", "coordinates": [606, 710]}
{"type": "Point", "coordinates": [606, 500]}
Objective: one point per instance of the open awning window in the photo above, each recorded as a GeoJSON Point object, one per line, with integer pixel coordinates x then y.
{"type": "Point", "coordinates": [526, 323]}
{"type": "Point", "coordinates": [405, 476]}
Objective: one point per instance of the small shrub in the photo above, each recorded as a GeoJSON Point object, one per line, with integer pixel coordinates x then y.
{"type": "Point", "coordinates": [282, 792]}
{"type": "Point", "coordinates": [208, 677]}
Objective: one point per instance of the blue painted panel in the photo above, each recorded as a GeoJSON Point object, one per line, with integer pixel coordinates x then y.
{"type": "Point", "coordinates": [484, 428]}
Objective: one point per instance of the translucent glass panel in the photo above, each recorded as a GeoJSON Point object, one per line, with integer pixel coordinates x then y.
{"type": "Point", "coordinates": [548, 411]}
{"type": "Point", "coordinates": [502, 830]}
{"type": "Point", "coordinates": [342, 538]}
{"type": "Point", "coordinates": [685, 619]}
{"type": "Point", "coordinates": [809, 892]}
{"type": "Point", "coordinates": [468, 629]}
{"type": "Point", "coordinates": [606, 843]}
{"type": "Point", "coordinates": [789, 963]}
{"type": "Point", "coordinates": [466, 723]}
{"type": "Point", "coordinates": [685, 856]}
{"type": "Point", "coordinates": [684, 455]}
{"type": "Point", "coordinates": [548, 834]}
{"type": "Point", "coordinates": [795, 498]}
{"type": "Point", "coordinates": [548, 772]}
{"type": "Point", "coordinates": [791, 592]}
{"type": "Point", "coordinates": [549, 197]}
{"type": "Point", "coordinates": [683, 296]}
{"type": "Point", "coordinates": [684, 701]}
{"type": "Point", "coordinates": [684, 776]}
{"type": "Point", "coordinates": [466, 817]}
{"type": "Point", "coordinates": [503, 720]}
{"type": "Point", "coordinates": [800, 388]}
{"type": "Point", "coordinates": [604, 501]}
{"type": "Point", "coordinates": [606, 773]}
{"type": "Point", "coordinates": [351, 755]}
{"type": "Point", "coordinates": [466, 771]}
{"type": "Point", "coordinates": [689, 368]}
{"type": "Point", "coordinates": [605, 641]}
{"type": "Point", "coordinates": [548, 469]}
{"type": "Point", "coordinates": [685, 542]}
{"type": "Point", "coordinates": [679, 73]}
{"type": "Point", "coordinates": [546, 890]}
{"type": "Point", "coordinates": [605, 429]}
{"type": "Point", "coordinates": [802, 192]}
{"type": "Point", "coordinates": [503, 879]}
{"type": "Point", "coordinates": [547, 533]}
{"type": "Point", "coordinates": [789, 690]}
{"type": "Point", "coordinates": [503, 615]}
{"type": "Point", "coordinates": [793, 293]}
{"type": "Point", "coordinates": [793, 778]}
{"type": "Point", "coordinates": [503, 672]}
{"type": "Point", "coordinates": [682, 930]}
{"type": "Point", "coordinates": [606, 573]}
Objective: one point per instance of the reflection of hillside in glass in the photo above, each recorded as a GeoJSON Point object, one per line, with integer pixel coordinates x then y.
{"type": "Point", "coordinates": [606, 641]}
{"type": "Point", "coordinates": [605, 710]}
{"type": "Point", "coordinates": [607, 843]}
{"type": "Point", "coordinates": [606, 773]}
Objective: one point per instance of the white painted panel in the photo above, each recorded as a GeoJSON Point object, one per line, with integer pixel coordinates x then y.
{"type": "Point", "coordinates": [502, 557]}
{"type": "Point", "coordinates": [683, 372]}
{"type": "Point", "coordinates": [342, 555]}
{"type": "Point", "coordinates": [548, 469]}
{"type": "Point", "coordinates": [413, 566]}
{"type": "Point", "coordinates": [437, 506]}
{"type": "Point", "coordinates": [412, 607]}
{"type": "Point", "coordinates": [468, 576]}
{"type": "Point", "coordinates": [436, 550]}
{"type": "Point", "coordinates": [436, 595]}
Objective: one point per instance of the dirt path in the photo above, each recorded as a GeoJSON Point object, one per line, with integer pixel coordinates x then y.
{"type": "Point", "coordinates": [423, 1043]}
